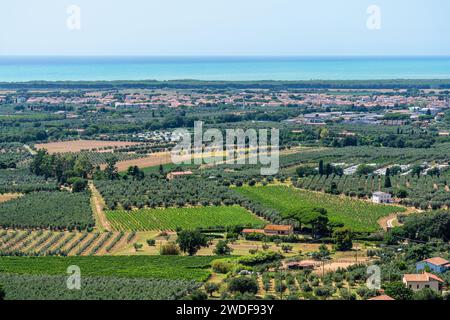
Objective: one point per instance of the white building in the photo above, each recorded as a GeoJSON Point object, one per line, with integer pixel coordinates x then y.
{"type": "Point", "coordinates": [417, 282]}
{"type": "Point", "coordinates": [381, 197]}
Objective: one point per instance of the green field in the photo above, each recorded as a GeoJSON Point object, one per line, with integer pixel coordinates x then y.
{"type": "Point", "coordinates": [360, 216]}
{"type": "Point", "coordinates": [168, 168]}
{"type": "Point", "coordinates": [154, 267]}
{"type": "Point", "coordinates": [36, 287]}
{"type": "Point", "coordinates": [186, 218]}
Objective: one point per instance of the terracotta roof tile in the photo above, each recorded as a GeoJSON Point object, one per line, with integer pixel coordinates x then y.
{"type": "Point", "coordinates": [274, 227]}
{"type": "Point", "coordinates": [421, 277]}
{"type": "Point", "coordinates": [438, 261]}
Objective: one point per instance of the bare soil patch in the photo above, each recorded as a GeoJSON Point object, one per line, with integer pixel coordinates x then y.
{"type": "Point", "coordinates": [9, 196]}
{"type": "Point", "coordinates": [79, 145]}
{"type": "Point", "coordinates": [149, 161]}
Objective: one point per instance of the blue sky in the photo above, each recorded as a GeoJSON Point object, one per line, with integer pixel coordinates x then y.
{"type": "Point", "coordinates": [225, 27]}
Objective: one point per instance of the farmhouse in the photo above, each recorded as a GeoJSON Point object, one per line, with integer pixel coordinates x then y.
{"type": "Point", "coordinates": [381, 197]}
{"type": "Point", "coordinates": [178, 174]}
{"type": "Point", "coordinates": [273, 229]}
{"type": "Point", "coordinates": [424, 280]}
{"type": "Point", "coordinates": [437, 264]}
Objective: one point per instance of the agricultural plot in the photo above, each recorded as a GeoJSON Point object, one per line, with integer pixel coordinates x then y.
{"type": "Point", "coordinates": [20, 180]}
{"type": "Point", "coordinates": [54, 210]}
{"type": "Point", "coordinates": [44, 287]}
{"type": "Point", "coordinates": [158, 192]}
{"type": "Point", "coordinates": [82, 145]}
{"type": "Point", "coordinates": [422, 192]}
{"type": "Point", "coordinates": [368, 154]}
{"type": "Point", "coordinates": [154, 159]}
{"type": "Point", "coordinates": [99, 158]}
{"type": "Point", "coordinates": [186, 218]}
{"type": "Point", "coordinates": [150, 267]}
{"type": "Point", "coordinates": [12, 154]}
{"type": "Point", "coordinates": [360, 216]}
{"type": "Point", "coordinates": [50, 243]}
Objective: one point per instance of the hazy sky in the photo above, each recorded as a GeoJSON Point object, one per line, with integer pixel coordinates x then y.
{"type": "Point", "coordinates": [224, 27]}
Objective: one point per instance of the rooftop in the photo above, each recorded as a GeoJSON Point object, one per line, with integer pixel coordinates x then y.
{"type": "Point", "coordinates": [274, 227]}
{"type": "Point", "coordinates": [438, 261]}
{"type": "Point", "coordinates": [422, 277]}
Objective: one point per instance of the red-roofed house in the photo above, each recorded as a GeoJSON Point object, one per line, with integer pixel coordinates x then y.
{"type": "Point", "coordinates": [273, 229]}
{"type": "Point", "coordinates": [422, 280]}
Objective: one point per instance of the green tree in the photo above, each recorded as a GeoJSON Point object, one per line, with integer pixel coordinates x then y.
{"type": "Point", "coordinates": [343, 239]}
{"type": "Point", "coordinates": [83, 167]}
{"type": "Point", "coordinates": [197, 295]}
{"type": "Point", "coordinates": [398, 291]}
{"type": "Point", "coordinates": [364, 170]}
{"type": "Point", "coordinates": [78, 184]}
{"type": "Point", "coordinates": [243, 284]}
{"type": "Point", "coordinates": [286, 248]}
{"type": "Point", "coordinates": [324, 133]}
{"type": "Point", "coordinates": [111, 172]}
{"type": "Point", "coordinates": [322, 254]}
{"type": "Point", "coordinates": [191, 241]}
{"type": "Point", "coordinates": [222, 248]}
{"type": "Point", "coordinates": [135, 173]}
{"type": "Point", "coordinates": [324, 292]}
{"type": "Point", "coordinates": [210, 288]}
{"type": "Point", "coordinates": [321, 169]}
{"type": "Point", "coordinates": [2, 293]}
{"type": "Point", "coordinates": [317, 219]}
{"type": "Point", "coordinates": [416, 170]}
{"type": "Point", "coordinates": [387, 180]}
{"type": "Point", "coordinates": [427, 294]}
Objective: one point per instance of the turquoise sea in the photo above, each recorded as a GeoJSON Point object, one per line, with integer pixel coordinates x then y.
{"type": "Point", "coordinates": [222, 68]}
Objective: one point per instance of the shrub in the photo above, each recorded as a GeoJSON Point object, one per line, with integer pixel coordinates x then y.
{"type": "Point", "coordinates": [243, 285]}
{"type": "Point", "coordinates": [222, 266]}
{"type": "Point", "coordinates": [324, 292]}
{"type": "Point", "coordinates": [169, 249]}
{"type": "Point", "coordinates": [222, 248]}
{"type": "Point", "coordinates": [259, 258]}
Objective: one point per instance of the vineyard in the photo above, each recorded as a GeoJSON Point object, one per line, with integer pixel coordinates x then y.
{"type": "Point", "coordinates": [150, 267]}
{"type": "Point", "coordinates": [45, 287]}
{"type": "Point", "coordinates": [367, 154]}
{"type": "Point", "coordinates": [185, 218]}
{"type": "Point", "coordinates": [98, 158]}
{"type": "Point", "coordinates": [54, 210]}
{"type": "Point", "coordinates": [422, 192]}
{"type": "Point", "coordinates": [359, 215]}
{"type": "Point", "coordinates": [50, 243]}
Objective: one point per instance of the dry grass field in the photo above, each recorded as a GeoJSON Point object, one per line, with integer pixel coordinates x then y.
{"type": "Point", "coordinates": [8, 196]}
{"type": "Point", "coordinates": [151, 160]}
{"type": "Point", "coordinates": [79, 145]}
